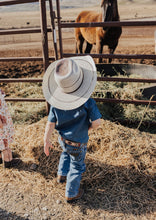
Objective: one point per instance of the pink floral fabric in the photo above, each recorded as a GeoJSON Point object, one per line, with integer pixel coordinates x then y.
{"type": "Point", "coordinates": [7, 131]}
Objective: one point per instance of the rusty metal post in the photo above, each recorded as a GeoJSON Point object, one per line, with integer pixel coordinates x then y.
{"type": "Point", "coordinates": [44, 39]}
{"type": "Point", "coordinates": [52, 16]}
{"type": "Point", "coordinates": [59, 28]}
{"type": "Point", "coordinates": [44, 33]}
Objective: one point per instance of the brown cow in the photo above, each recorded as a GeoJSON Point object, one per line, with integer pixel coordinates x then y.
{"type": "Point", "coordinates": [98, 35]}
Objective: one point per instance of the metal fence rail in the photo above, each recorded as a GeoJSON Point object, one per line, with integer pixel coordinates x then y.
{"type": "Point", "coordinates": [10, 59]}
{"type": "Point", "coordinates": [119, 56]}
{"type": "Point", "coordinates": [25, 99]}
{"type": "Point", "coordinates": [44, 30]}
{"type": "Point", "coordinates": [21, 31]}
{"type": "Point", "coordinates": [105, 100]}
{"type": "Point", "coordinates": [15, 2]}
{"type": "Point", "coordinates": [108, 24]}
{"type": "Point", "coordinates": [115, 79]}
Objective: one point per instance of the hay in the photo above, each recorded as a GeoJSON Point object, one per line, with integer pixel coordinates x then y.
{"type": "Point", "coordinates": [127, 91]}
{"type": "Point", "coordinates": [119, 181]}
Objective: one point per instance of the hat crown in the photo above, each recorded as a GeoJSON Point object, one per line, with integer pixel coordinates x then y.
{"type": "Point", "coordinates": [68, 83]}
{"type": "Point", "coordinates": [68, 75]}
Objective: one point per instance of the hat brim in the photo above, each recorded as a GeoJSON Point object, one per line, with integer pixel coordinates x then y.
{"type": "Point", "coordinates": [68, 101]}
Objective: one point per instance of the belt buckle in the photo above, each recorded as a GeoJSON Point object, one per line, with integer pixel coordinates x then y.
{"type": "Point", "coordinates": [78, 144]}
{"type": "Point", "coordinates": [74, 144]}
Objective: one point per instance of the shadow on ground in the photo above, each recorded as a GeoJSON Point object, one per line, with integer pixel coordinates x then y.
{"type": "Point", "coordinates": [115, 112]}
{"type": "Point", "coordinates": [127, 190]}
{"type": "Point", "coordinates": [5, 215]}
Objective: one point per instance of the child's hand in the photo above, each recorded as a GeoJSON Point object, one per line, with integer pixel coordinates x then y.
{"type": "Point", "coordinates": [47, 145]}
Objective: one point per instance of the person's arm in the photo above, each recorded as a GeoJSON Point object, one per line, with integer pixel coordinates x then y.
{"type": "Point", "coordinates": [95, 124]}
{"type": "Point", "coordinates": [50, 126]}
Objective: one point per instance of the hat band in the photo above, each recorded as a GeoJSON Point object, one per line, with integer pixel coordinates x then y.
{"type": "Point", "coordinates": [75, 86]}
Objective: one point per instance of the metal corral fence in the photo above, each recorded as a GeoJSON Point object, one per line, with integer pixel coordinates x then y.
{"type": "Point", "coordinates": [44, 30]}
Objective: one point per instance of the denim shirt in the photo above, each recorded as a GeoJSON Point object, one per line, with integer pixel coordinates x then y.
{"type": "Point", "coordinates": [73, 124]}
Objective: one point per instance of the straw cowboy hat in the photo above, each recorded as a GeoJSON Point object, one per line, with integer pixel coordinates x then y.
{"type": "Point", "coordinates": [68, 83]}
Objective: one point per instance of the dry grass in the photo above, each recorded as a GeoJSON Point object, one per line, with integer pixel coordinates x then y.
{"type": "Point", "coordinates": [29, 113]}
{"type": "Point", "coordinates": [119, 181]}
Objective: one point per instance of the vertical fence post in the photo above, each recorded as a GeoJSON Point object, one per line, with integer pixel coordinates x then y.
{"type": "Point", "coordinates": [59, 27]}
{"type": "Point", "coordinates": [44, 40]}
{"type": "Point", "coordinates": [52, 16]}
{"type": "Point", "coordinates": [44, 33]}
{"type": "Point", "coordinates": [155, 40]}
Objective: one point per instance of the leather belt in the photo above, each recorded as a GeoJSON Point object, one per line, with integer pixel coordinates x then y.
{"type": "Point", "coordinates": [74, 144]}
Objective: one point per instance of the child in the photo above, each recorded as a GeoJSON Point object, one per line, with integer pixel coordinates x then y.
{"type": "Point", "coordinates": [6, 134]}
{"type": "Point", "coordinates": [67, 87]}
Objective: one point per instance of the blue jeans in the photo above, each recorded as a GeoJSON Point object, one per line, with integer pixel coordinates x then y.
{"type": "Point", "coordinates": [72, 166]}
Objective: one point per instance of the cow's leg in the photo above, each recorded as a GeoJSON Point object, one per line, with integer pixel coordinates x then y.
{"type": "Point", "coordinates": [88, 48]}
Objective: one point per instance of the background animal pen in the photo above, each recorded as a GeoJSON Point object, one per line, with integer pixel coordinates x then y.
{"type": "Point", "coordinates": [60, 54]}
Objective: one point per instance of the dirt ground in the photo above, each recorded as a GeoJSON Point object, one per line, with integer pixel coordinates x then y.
{"type": "Point", "coordinates": [134, 40]}
{"type": "Point", "coordinates": [120, 178]}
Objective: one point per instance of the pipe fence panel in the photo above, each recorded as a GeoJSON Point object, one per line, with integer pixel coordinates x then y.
{"type": "Point", "coordinates": [44, 30]}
